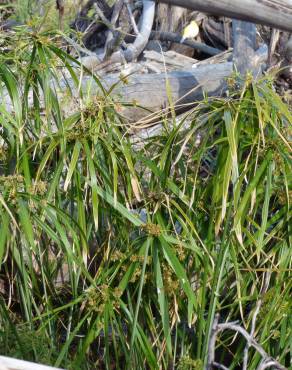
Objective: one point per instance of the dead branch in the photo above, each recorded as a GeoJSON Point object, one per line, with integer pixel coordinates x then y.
{"type": "Point", "coordinates": [274, 13]}
{"type": "Point", "coordinates": [118, 36]}
{"type": "Point", "coordinates": [175, 37]}
{"type": "Point", "coordinates": [220, 366]}
{"type": "Point", "coordinates": [135, 49]}
{"type": "Point", "coordinates": [273, 42]}
{"type": "Point", "coordinates": [267, 360]}
{"type": "Point", "coordinates": [212, 343]}
{"type": "Point", "coordinates": [214, 30]}
{"type": "Point", "coordinates": [266, 364]}
{"type": "Point", "coordinates": [131, 17]}
{"type": "Point", "coordinates": [115, 15]}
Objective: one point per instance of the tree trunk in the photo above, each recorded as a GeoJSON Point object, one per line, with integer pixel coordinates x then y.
{"type": "Point", "coordinates": [274, 13]}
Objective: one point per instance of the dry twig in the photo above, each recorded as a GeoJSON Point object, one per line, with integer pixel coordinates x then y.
{"type": "Point", "coordinates": [267, 360]}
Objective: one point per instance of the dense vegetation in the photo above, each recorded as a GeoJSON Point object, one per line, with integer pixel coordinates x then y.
{"type": "Point", "coordinates": [118, 255]}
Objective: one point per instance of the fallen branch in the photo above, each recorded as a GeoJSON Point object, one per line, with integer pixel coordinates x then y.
{"type": "Point", "coordinates": [267, 360]}
{"type": "Point", "coordinates": [135, 49]}
{"type": "Point", "coordinates": [115, 15]}
{"type": "Point", "coordinates": [175, 37]}
{"type": "Point", "coordinates": [131, 17]}
{"type": "Point", "coordinates": [118, 37]}
{"type": "Point", "coordinates": [274, 13]}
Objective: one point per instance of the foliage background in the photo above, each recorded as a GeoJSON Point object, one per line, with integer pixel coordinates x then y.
{"type": "Point", "coordinates": [116, 256]}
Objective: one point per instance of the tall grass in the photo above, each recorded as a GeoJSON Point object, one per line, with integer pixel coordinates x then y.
{"type": "Point", "coordinates": [118, 257]}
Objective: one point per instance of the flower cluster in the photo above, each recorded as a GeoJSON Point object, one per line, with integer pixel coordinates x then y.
{"type": "Point", "coordinates": [152, 229]}
{"type": "Point", "coordinates": [12, 184]}
{"type": "Point", "coordinates": [98, 297]}
{"type": "Point", "coordinates": [38, 187]}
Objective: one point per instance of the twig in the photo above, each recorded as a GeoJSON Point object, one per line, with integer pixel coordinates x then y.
{"type": "Point", "coordinates": [132, 19]}
{"type": "Point", "coordinates": [134, 50]}
{"type": "Point", "coordinates": [253, 324]}
{"type": "Point", "coordinates": [79, 49]}
{"type": "Point", "coordinates": [118, 37]}
{"type": "Point", "coordinates": [99, 12]}
{"type": "Point", "coordinates": [266, 364]}
{"type": "Point", "coordinates": [227, 33]}
{"type": "Point", "coordinates": [147, 19]}
{"type": "Point", "coordinates": [113, 45]}
{"type": "Point", "coordinates": [251, 340]}
{"type": "Point", "coordinates": [220, 366]}
{"type": "Point", "coordinates": [273, 42]}
{"type": "Point", "coordinates": [110, 45]}
{"type": "Point", "coordinates": [267, 360]}
{"type": "Point", "coordinates": [115, 16]}
{"type": "Point", "coordinates": [212, 343]}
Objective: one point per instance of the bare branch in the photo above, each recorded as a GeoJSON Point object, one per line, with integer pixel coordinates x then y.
{"type": "Point", "coordinates": [266, 364]}
{"type": "Point", "coordinates": [135, 49]}
{"type": "Point", "coordinates": [132, 19]}
{"type": "Point", "coordinates": [99, 12]}
{"type": "Point", "coordinates": [273, 42]}
{"type": "Point", "coordinates": [116, 12]}
{"type": "Point", "coordinates": [220, 366]}
{"type": "Point", "coordinates": [175, 37]}
{"type": "Point", "coordinates": [212, 343]}
{"type": "Point", "coordinates": [275, 13]}
{"type": "Point", "coordinates": [251, 340]}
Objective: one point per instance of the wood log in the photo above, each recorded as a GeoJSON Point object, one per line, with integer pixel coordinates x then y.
{"type": "Point", "coordinates": [141, 98]}
{"type": "Point", "coordinates": [153, 91]}
{"type": "Point", "coordinates": [274, 13]}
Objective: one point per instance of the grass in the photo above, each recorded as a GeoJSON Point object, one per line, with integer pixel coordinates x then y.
{"type": "Point", "coordinates": [114, 256]}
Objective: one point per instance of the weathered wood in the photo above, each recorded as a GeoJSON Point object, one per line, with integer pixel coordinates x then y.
{"type": "Point", "coordinates": [244, 46]}
{"type": "Point", "coordinates": [170, 60]}
{"type": "Point", "coordinates": [150, 90]}
{"type": "Point", "coordinates": [275, 13]}
{"type": "Point", "coordinates": [8, 363]}
{"type": "Point", "coordinates": [143, 96]}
